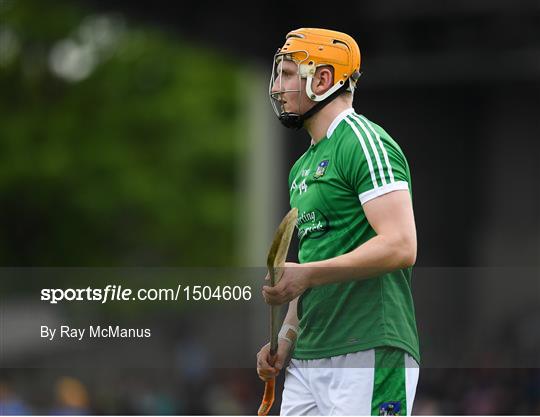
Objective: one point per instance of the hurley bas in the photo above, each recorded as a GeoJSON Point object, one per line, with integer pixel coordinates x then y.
{"type": "Point", "coordinates": [106, 332]}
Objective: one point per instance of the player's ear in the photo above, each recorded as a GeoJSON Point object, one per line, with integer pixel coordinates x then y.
{"type": "Point", "coordinates": [323, 80]}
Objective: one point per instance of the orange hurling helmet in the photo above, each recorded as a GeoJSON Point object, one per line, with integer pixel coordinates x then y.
{"type": "Point", "coordinates": [309, 49]}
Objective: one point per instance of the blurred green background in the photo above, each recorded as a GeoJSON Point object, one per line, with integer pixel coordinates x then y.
{"type": "Point", "coordinates": [118, 142]}
{"type": "Point", "coordinates": [120, 145]}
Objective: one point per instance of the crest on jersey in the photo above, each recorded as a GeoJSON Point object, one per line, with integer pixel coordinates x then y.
{"type": "Point", "coordinates": [390, 408]}
{"type": "Point", "coordinates": [321, 169]}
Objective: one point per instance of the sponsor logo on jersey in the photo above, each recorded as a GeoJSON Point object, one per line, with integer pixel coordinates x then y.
{"type": "Point", "coordinates": [321, 169]}
{"type": "Point", "coordinates": [312, 223]}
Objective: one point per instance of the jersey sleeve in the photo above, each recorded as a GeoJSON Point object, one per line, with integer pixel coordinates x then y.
{"type": "Point", "coordinates": [370, 161]}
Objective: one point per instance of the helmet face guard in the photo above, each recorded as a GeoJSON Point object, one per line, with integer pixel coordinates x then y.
{"type": "Point", "coordinates": [276, 91]}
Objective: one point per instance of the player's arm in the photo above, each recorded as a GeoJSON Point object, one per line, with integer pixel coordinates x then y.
{"type": "Point", "coordinates": [394, 247]}
{"type": "Point", "coordinates": [291, 319]}
{"type": "Point", "coordinates": [269, 367]}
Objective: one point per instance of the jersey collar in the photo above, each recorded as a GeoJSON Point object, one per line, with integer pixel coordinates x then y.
{"type": "Point", "coordinates": [338, 119]}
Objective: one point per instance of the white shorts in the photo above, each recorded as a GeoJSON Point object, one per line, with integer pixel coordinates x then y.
{"type": "Point", "coordinates": [379, 381]}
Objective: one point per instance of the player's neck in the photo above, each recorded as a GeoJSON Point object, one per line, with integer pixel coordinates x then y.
{"type": "Point", "coordinates": [318, 124]}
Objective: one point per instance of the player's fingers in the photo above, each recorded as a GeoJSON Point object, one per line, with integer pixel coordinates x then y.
{"type": "Point", "coordinates": [265, 370]}
{"type": "Point", "coordinates": [269, 295]}
{"type": "Point", "coordinates": [271, 300]}
{"type": "Point", "coordinates": [265, 361]}
{"type": "Point", "coordinates": [267, 374]}
{"type": "Point", "coordinates": [274, 296]}
{"type": "Point", "coordinates": [267, 298]}
{"type": "Point", "coordinates": [271, 290]}
{"type": "Point", "coordinates": [277, 291]}
{"type": "Point", "coordinates": [265, 367]}
{"type": "Point", "coordinates": [262, 360]}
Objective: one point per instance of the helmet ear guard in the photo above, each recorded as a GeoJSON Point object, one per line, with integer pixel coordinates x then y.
{"type": "Point", "coordinates": [324, 95]}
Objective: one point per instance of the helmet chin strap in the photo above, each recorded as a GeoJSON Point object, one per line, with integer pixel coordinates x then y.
{"type": "Point", "coordinates": [296, 121]}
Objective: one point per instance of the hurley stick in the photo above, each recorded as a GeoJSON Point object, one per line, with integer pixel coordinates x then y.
{"type": "Point", "coordinates": [275, 260]}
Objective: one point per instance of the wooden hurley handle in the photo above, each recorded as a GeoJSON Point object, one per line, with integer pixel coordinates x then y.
{"type": "Point", "coordinates": [276, 259]}
{"type": "Point", "coordinates": [268, 398]}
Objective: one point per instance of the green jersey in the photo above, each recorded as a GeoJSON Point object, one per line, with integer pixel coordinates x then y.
{"type": "Point", "coordinates": [355, 162]}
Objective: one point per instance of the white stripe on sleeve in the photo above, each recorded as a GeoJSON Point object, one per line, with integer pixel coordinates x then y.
{"type": "Point", "coordinates": [385, 189]}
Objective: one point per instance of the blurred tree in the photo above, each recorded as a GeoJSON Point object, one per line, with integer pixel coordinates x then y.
{"type": "Point", "coordinates": [117, 143]}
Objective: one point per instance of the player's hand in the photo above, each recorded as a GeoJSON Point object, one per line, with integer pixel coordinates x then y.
{"type": "Point", "coordinates": [268, 366]}
{"type": "Point", "coordinates": [294, 281]}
